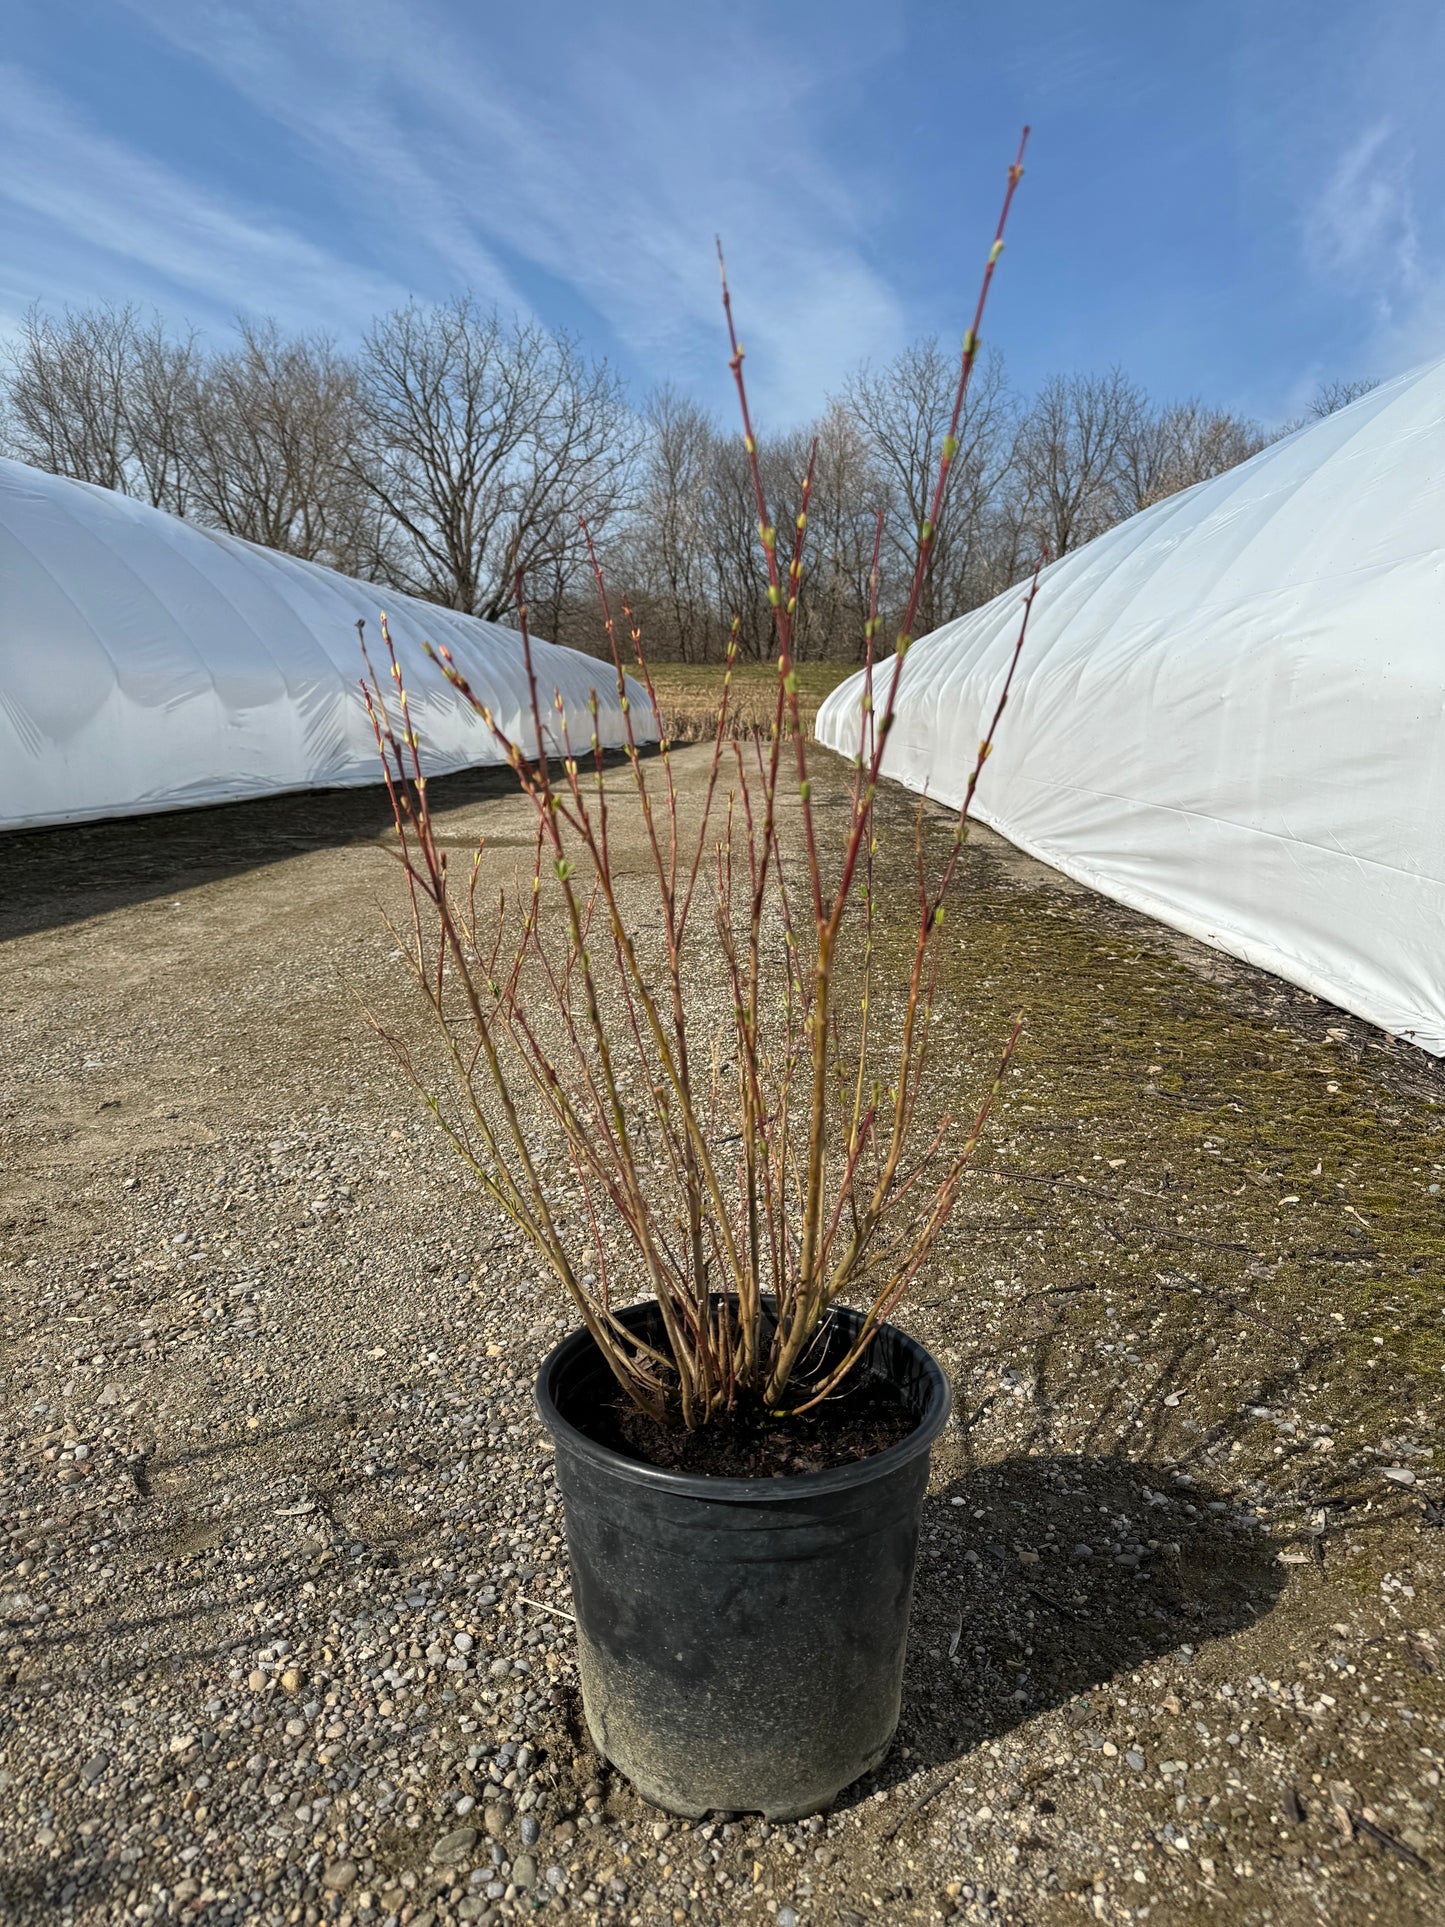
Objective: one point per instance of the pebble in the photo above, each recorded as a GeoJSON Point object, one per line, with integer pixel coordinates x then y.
{"type": "Point", "coordinates": [531, 1830]}
{"type": "Point", "coordinates": [340, 1875]}
{"type": "Point", "coordinates": [787, 1917]}
{"type": "Point", "coordinates": [1401, 1474]}
{"type": "Point", "coordinates": [496, 1818]}
{"type": "Point", "coordinates": [524, 1870]}
{"type": "Point", "coordinates": [455, 1845]}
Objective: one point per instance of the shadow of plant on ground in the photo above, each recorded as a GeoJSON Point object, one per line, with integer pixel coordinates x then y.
{"type": "Point", "coordinates": [1012, 1617]}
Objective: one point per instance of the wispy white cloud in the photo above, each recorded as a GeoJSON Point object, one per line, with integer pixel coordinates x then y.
{"type": "Point", "coordinates": [100, 217]}
{"type": "Point", "coordinates": [1362, 236]}
{"type": "Point", "coordinates": [610, 177]}
{"type": "Point", "coordinates": [1362, 225]}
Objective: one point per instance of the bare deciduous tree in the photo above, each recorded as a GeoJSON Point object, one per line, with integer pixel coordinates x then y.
{"type": "Point", "coordinates": [271, 444]}
{"type": "Point", "coordinates": [665, 560]}
{"type": "Point", "coordinates": [1331, 396]}
{"type": "Point", "coordinates": [1178, 446]}
{"type": "Point", "coordinates": [903, 412]}
{"type": "Point", "coordinates": [849, 492]}
{"type": "Point", "coordinates": [100, 395]}
{"type": "Point", "coordinates": [1067, 456]}
{"type": "Point", "coordinates": [483, 442]}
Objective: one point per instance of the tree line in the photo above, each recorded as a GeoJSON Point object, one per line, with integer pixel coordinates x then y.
{"type": "Point", "coordinates": [453, 447]}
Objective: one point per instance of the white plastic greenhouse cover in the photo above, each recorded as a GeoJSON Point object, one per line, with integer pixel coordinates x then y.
{"type": "Point", "coordinates": [147, 664]}
{"type": "Point", "coordinates": [1230, 711]}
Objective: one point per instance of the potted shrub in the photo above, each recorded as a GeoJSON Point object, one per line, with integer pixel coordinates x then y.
{"type": "Point", "coordinates": [742, 1437]}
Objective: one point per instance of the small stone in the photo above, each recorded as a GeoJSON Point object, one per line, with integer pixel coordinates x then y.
{"type": "Point", "coordinates": [500, 1668]}
{"type": "Point", "coordinates": [463, 1642]}
{"type": "Point", "coordinates": [1400, 1474]}
{"type": "Point", "coordinates": [524, 1870]}
{"type": "Point", "coordinates": [496, 1818]}
{"type": "Point", "coordinates": [531, 1830]}
{"type": "Point", "coordinates": [455, 1845]}
{"type": "Point", "coordinates": [94, 1767]}
{"type": "Point", "coordinates": [787, 1917]}
{"type": "Point", "coordinates": [1081, 1551]}
{"type": "Point", "coordinates": [292, 1680]}
{"type": "Point", "coordinates": [339, 1876]}
{"type": "Point", "coordinates": [256, 1681]}
{"type": "Point", "coordinates": [1135, 1759]}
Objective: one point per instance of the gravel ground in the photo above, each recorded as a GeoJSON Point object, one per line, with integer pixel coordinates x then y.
{"type": "Point", "coordinates": [283, 1601]}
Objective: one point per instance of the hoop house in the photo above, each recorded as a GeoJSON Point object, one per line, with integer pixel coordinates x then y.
{"type": "Point", "coordinates": [1230, 711]}
{"type": "Point", "coordinates": [148, 664]}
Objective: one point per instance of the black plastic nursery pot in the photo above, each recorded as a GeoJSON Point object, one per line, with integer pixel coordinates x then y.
{"type": "Point", "coordinates": [741, 1641]}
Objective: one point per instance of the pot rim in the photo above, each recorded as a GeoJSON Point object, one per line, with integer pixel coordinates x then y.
{"type": "Point", "coordinates": [736, 1491]}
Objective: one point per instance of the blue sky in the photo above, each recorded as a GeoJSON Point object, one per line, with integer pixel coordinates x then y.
{"type": "Point", "coordinates": [1234, 200]}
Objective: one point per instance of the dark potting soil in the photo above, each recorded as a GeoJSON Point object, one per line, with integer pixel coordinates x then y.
{"type": "Point", "coordinates": [865, 1418]}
